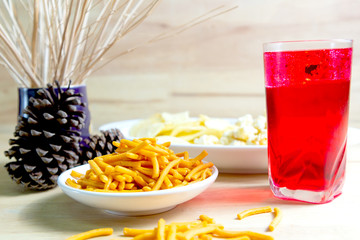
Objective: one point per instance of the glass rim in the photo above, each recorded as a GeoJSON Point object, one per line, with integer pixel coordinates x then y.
{"type": "Point", "coordinates": [297, 45]}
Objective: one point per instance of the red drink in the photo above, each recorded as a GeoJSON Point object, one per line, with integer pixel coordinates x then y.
{"type": "Point", "coordinates": [307, 94]}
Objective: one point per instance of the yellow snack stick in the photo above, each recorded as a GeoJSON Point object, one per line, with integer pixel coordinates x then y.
{"type": "Point", "coordinates": [198, 174]}
{"type": "Point", "coordinates": [88, 172]}
{"type": "Point", "coordinates": [146, 188]}
{"type": "Point", "coordinates": [116, 144]}
{"type": "Point", "coordinates": [98, 171]}
{"type": "Point", "coordinates": [145, 164]}
{"type": "Point", "coordinates": [181, 154]}
{"type": "Point", "coordinates": [240, 238]}
{"type": "Point", "coordinates": [172, 180]}
{"type": "Point", "coordinates": [156, 168]}
{"type": "Point", "coordinates": [166, 144]}
{"type": "Point", "coordinates": [201, 156]}
{"type": "Point", "coordinates": [129, 143]}
{"type": "Point", "coordinates": [129, 186]}
{"type": "Point", "coordinates": [185, 163]}
{"type": "Point", "coordinates": [205, 218]}
{"type": "Point", "coordinates": [113, 157]}
{"type": "Point", "coordinates": [160, 234]}
{"type": "Point", "coordinates": [163, 161]}
{"type": "Point", "coordinates": [276, 220]}
{"type": "Point", "coordinates": [128, 178]}
{"type": "Point", "coordinates": [183, 171]}
{"type": "Point", "coordinates": [184, 226]}
{"type": "Point", "coordinates": [206, 237]}
{"type": "Point", "coordinates": [156, 149]}
{"type": "Point", "coordinates": [73, 184]}
{"type": "Point", "coordinates": [253, 211]}
{"type": "Point", "coordinates": [123, 170]}
{"type": "Point", "coordinates": [146, 178]}
{"type": "Point", "coordinates": [150, 140]}
{"type": "Point", "coordinates": [77, 175]}
{"type": "Point", "coordinates": [121, 186]}
{"type": "Point", "coordinates": [133, 156]}
{"type": "Point", "coordinates": [146, 171]}
{"type": "Point", "coordinates": [109, 170]}
{"type": "Point", "coordinates": [99, 161]}
{"type": "Point", "coordinates": [140, 181]}
{"type": "Point", "coordinates": [147, 153]}
{"type": "Point", "coordinates": [91, 183]}
{"type": "Point", "coordinates": [113, 185]}
{"type": "Point", "coordinates": [167, 182]}
{"type": "Point", "coordinates": [176, 174]}
{"type": "Point", "coordinates": [176, 182]}
{"type": "Point", "coordinates": [198, 168]}
{"type": "Point", "coordinates": [119, 177]}
{"type": "Point", "coordinates": [172, 232]}
{"type": "Point", "coordinates": [206, 173]}
{"type": "Point", "coordinates": [95, 167]}
{"type": "Point", "coordinates": [145, 236]}
{"type": "Point", "coordinates": [138, 147]}
{"type": "Point", "coordinates": [94, 177]}
{"type": "Point", "coordinates": [164, 173]}
{"type": "Point", "coordinates": [197, 231]}
{"type": "Point", "coordinates": [91, 175]}
{"type": "Point", "coordinates": [117, 191]}
{"type": "Point", "coordinates": [132, 232]}
{"type": "Point", "coordinates": [107, 184]}
{"type": "Point", "coordinates": [233, 234]}
{"type": "Point", "coordinates": [127, 163]}
{"type": "Point", "coordinates": [105, 167]}
{"type": "Point", "coordinates": [186, 156]}
{"type": "Point", "coordinates": [92, 233]}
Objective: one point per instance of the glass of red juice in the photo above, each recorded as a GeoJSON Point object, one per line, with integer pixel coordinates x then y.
{"type": "Point", "coordinates": [307, 96]}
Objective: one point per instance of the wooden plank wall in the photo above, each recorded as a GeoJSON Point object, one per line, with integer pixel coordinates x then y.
{"type": "Point", "coordinates": [214, 68]}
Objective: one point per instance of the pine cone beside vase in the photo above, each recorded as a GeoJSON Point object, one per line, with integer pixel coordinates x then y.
{"type": "Point", "coordinates": [98, 145]}
{"type": "Point", "coordinates": [47, 139]}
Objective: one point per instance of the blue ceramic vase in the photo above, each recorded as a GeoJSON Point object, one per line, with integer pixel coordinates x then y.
{"type": "Point", "coordinates": [26, 93]}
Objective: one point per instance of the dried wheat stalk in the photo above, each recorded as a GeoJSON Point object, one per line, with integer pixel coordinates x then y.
{"type": "Point", "coordinates": [46, 40]}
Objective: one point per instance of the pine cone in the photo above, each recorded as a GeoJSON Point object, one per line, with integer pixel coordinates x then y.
{"type": "Point", "coordinates": [98, 145]}
{"type": "Point", "coordinates": [47, 138]}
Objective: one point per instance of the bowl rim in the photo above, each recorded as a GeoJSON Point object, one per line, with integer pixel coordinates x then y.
{"type": "Point", "coordinates": [64, 175]}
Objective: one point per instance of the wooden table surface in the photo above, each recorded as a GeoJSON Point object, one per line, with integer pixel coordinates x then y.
{"type": "Point", "coordinates": [213, 69]}
{"type": "Point", "coordinates": [53, 215]}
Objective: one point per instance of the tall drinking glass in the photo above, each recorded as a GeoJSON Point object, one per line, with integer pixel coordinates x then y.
{"type": "Point", "coordinates": [307, 96]}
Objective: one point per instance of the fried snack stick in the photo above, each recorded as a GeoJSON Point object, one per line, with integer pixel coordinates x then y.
{"type": "Point", "coordinates": [160, 234]}
{"type": "Point", "coordinates": [276, 220]}
{"type": "Point", "coordinates": [207, 219]}
{"type": "Point", "coordinates": [220, 233]}
{"type": "Point", "coordinates": [190, 234]}
{"type": "Point", "coordinates": [253, 211]}
{"type": "Point", "coordinates": [92, 233]}
{"type": "Point", "coordinates": [164, 173]}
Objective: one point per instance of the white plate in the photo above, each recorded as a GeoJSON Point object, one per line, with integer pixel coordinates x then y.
{"type": "Point", "coordinates": [228, 159]}
{"type": "Point", "coordinates": [136, 203]}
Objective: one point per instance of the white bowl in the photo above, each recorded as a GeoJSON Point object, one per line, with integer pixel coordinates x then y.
{"type": "Point", "coordinates": [228, 159]}
{"type": "Point", "coordinates": [136, 203]}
